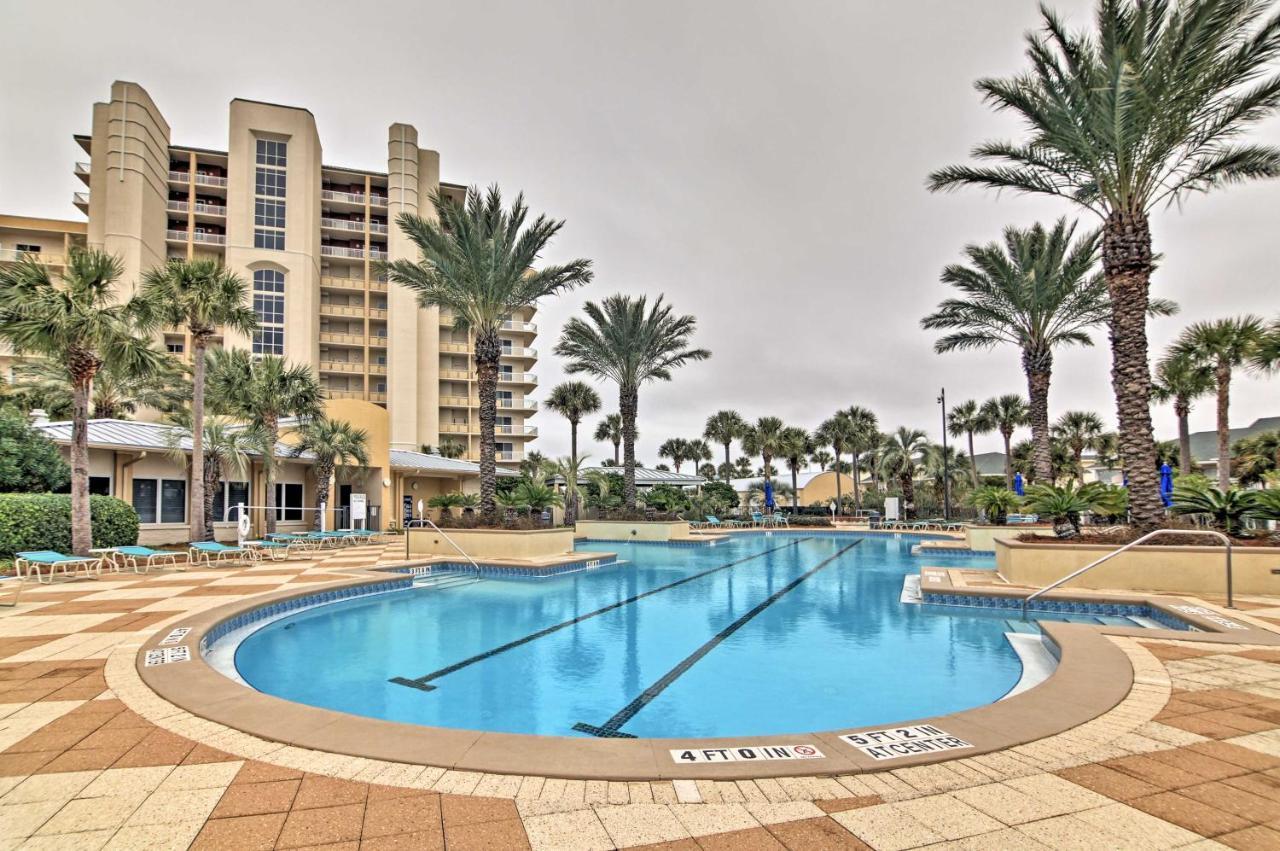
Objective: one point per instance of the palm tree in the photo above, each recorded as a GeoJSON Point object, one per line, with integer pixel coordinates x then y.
{"type": "Point", "coordinates": [839, 433]}
{"type": "Point", "coordinates": [698, 450]}
{"type": "Point", "coordinates": [1266, 354]}
{"type": "Point", "coordinates": [1078, 431]}
{"type": "Point", "coordinates": [943, 466]}
{"type": "Point", "coordinates": [478, 262]}
{"type": "Point", "coordinates": [610, 429]}
{"type": "Point", "coordinates": [968, 419]}
{"type": "Point", "coordinates": [118, 392]}
{"type": "Point", "coordinates": [764, 438]}
{"type": "Point", "coordinates": [629, 342]}
{"type": "Point", "coordinates": [568, 468]}
{"type": "Point", "coordinates": [262, 391]}
{"type": "Point", "coordinates": [1007, 413]}
{"type": "Point", "coordinates": [573, 400]}
{"type": "Point", "coordinates": [227, 447]}
{"type": "Point", "coordinates": [902, 448]}
{"type": "Point", "coordinates": [864, 436]}
{"type": "Point", "coordinates": [76, 321]}
{"type": "Point", "coordinates": [1182, 380]}
{"type": "Point", "coordinates": [335, 445]}
{"type": "Point", "coordinates": [677, 449]}
{"type": "Point", "coordinates": [1106, 451]}
{"type": "Point", "coordinates": [1144, 112]}
{"type": "Point", "coordinates": [204, 297]}
{"type": "Point", "coordinates": [724, 427]}
{"type": "Point", "coordinates": [821, 457]}
{"type": "Point", "coordinates": [1254, 457]}
{"type": "Point", "coordinates": [1223, 346]}
{"type": "Point", "coordinates": [742, 467]}
{"type": "Point", "coordinates": [451, 449]}
{"type": "Point", "coordinates": [794, 447]}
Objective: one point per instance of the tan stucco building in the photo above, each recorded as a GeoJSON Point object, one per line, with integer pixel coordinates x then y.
{"type": "Point", "coordinates": [307, 237]}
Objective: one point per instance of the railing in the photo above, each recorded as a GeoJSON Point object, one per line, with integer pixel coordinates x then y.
{"type": "Point", "coordinates": [80, 199]}
{"type": "Point", "coordinates": [378, 286]}
{"type": "Point", "coordinates": [14, 255]}
{"type": "Point", "coordinates": [519, 352]}
{"type": "Point", "coordinates": [377, 313]}
{"type": "Point", "coordinates": [378, 200]}
{"type": "Point", "coordinates": [347, 197]}
{"type": "Point", "coordinates": [512, 325]}
{"type": "Point", "coordinates": [342, 309]}
{"type": "Point", "coordinates": [456, 402]}
{"type": "Point", "coordinates": [343, 394]}
{"type": "Point", "coordinates": [377, 227]}
{"type": "Point", "coordinates": [517, 378]}
{"type": "Point", "coordinates": [454, 374]}
{"type": "Point", "coordinates": [83, 169]}
{"type": "Point", "coordinates": [342, 283]}
{"type": "Point", "coordinates": [377, 397]}
{"type": "Point", "coordinates": [177, 206]}
{"type": "Point", "coordinates": [341, 224]}
{"type": "Point", "coordinates": [377, 369]}
{"type": "Point", "coordinates": [344, 339]}
{"type": "Point", "coordinates": [522, 404]}
{"type": "Point", "coordinates": [508, 456]}
{"type": "Point", "coordinates": [455, 347]}
{"type": "Point", "coordinates": [377, 254]}
{"type": "Point", "coordinates": [515, 429]}
{"type": "Point", "coordinates": [200, 179]}
{"type": "Point", "coordinates": [341, 366]}
{"type": "Point", "coordinates": [213, 238]}
{"type": "Point", "coordinates": [379, 340]}
{"type": "Point", "coordinates": [1226, 542]}
{"type": "Point", "coordinates": [340, 251]}
{"type": "Point", "coordinates": [200, 207]}
{"type": "Point", "coordinates": [429, 522]}
{"type": "Point", "coordinates": [455, 428]}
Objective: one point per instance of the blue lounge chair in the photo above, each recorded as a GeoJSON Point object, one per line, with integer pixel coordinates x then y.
{"type": "Point", "coordinates": [274, 550]}
{"type": "Point", "coordinates": [212, 554]}
{"type": "Point", "coordinates": [14, 583]}
{"type": "Point", "coordinates": [142, 559]}
{"type": "Point", "coordinates": [302, 542]}
{"type": "Point", "coordinates": [35, 559]}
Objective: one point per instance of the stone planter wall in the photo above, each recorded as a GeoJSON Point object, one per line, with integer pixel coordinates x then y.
{"type": "Point", "coordinates": [634, 530]}
{"type": "Point", "coordinates": [984, 537]}
{"type": "Point", "coordinates": [492, 543]}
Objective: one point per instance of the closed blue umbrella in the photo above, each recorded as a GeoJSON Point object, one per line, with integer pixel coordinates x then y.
{"type": "Point", "coordinates": [1166, 484]}
{"type": "Point", "coordinates": [768, 494]}
{"type": "Point", "coordinates": [1018, 486]}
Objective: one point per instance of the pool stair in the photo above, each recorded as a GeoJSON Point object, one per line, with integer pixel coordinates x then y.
{"type": "Point", "coordinates": [441, 579]}
{"type": "Point", "coordinates": [1037, 654]}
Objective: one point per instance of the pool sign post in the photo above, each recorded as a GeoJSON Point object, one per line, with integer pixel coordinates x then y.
{"type": "Point", "coordinates": [902, 742]}
{"type": "Point", "coordinates": [359, 510]}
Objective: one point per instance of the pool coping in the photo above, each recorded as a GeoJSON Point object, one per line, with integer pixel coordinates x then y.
{"type": "Point", "coordinates": [1093, 676]}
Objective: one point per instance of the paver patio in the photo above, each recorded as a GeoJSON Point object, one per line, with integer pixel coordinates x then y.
{"type": "Point", "coordinates": [89, 758]}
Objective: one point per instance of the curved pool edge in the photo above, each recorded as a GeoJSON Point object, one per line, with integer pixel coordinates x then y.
{"type": "Point", "coordinates": [1093, 676]}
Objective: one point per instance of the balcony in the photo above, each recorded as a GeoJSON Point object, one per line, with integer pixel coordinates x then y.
{"type": "Point", "coordinates": [508, 456]}
{"type": "Point", "coordinates": [518, 404]}
{"type": "Point", "coordinates": [454, 428]}
{"type": "Point", "coordinates": [342, 197]}
{"type": "Point", "coordinates": [82, 171]}
{"type": "Point", "coordinates": [80, 200]}
{"type": "Point", "coordinates": [199, 179]}
{"type": "Point", "coordinates": [13, 255]}
{"type": "Point", "coordinates": [377, 227]}
{"type": "Point", "coordinates": [341, 224]}
{"type": "Point", "coordinates": [461, 348]}
{"type": "Point", "coordinates": [196, 236]}
{"type": "Point", "coordinates": [340, 251]}
{"type": "Point", "coordinates": [377, 369]}
{"type": "Point", "coordinates": [517, 378]}
{"type": "Point", "coordinates": [328, 309]}
{"type": "Point", "coordinates": [514, 325]}
{"type": "Point", "coordinates": [519, 430]}
{"type": "Point", "coordinates": [378, 286]}
{"type": "Point", "coordinates": [519, 352]}
{"type": "Point", "coordinates": [199, 207]}
{"type": "Point", "coordinates": [342, 366]}
{"type": "Point", "coordinates": [378, 254]}
{"type": "Point", "coordinates": [344, 394]}
{"type": "Point", "coordinates": [355, 284]}
{"type": "Point", "coordinates": [455, 374]}
{"type": "Point", "coordinates": [342, 339]}
{"type": "Point", "coordinates": [457, 402]}
{"type": "Point", "coordinates": [378, 341]}
{"type": "Point", "coordinates": [378, 200]}
{"type": "Point", "coordinates": [377, 313]}
{"type": "Point", "coordinates": [377, 397]}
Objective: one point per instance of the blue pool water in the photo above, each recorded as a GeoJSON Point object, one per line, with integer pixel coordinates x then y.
{"type": "Point", "coordinates": [797, 634]}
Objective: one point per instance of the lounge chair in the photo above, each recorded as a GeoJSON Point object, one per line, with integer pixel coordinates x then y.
{"type": "Point", "coordinates": [779, 519]}
{"type": "Point", "coordinates": [14, 583]}
{"type": "Point", "coordinates": [274, 550]}
{"type": "Point", "coordinates": [712, 522]}
{"type": "Point", "coordinates": [35, 559]}
{"type": "Point", "coordinates": [142, 559]}
{"type": "Point", "coordinates": [212, 553]}
{"type": "Point", "coordinates": [292, 539]}
{"type": "Point", "coordinates": [356, 536]}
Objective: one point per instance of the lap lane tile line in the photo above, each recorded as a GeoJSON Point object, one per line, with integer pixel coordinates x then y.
{"type": "Point", "coordinates": [611, 729]}
{"type": "Point", "coordinates": [423, 683]}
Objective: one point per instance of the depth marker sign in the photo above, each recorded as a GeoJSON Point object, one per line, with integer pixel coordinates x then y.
{"type": "Point", "coordinates": [749, 753]}
{"type": "Point", "coordinates": [900, 742]}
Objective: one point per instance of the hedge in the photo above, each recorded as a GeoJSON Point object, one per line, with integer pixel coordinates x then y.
{"type": "Point", "coordinates": [42, 521]}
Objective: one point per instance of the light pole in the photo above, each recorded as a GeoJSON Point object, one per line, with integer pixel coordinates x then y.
{"type": "Point", "coordinates": [946, 460]}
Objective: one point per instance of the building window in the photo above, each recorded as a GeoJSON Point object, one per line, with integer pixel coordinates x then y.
{"type": "Point", "coordinates": [175, 348]}
{"type": "Point", "coordinates": [273, 239]}
{"type": "Point", "coordinates": [288, 501]}
{"type": "Point", "coordinates": [268, 214]}
{"type": "Point", "coordinates": [268, 305]}
{"type": "Point", "coordinates": [165, 499]}
{"type": "Point", "coordinates": [100, 485]}
{"type": "Point", "coordinates": [27, 248]}
{"type": "Point", "coordinates": [228, 495]}
{"type": "Point", "coordinates": [269, 184]}
{"type": "Point", "coordinates": [272, 152]}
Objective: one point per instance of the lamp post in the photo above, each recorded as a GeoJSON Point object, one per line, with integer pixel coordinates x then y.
{"type": "Point", "coordinates": [946, 460]}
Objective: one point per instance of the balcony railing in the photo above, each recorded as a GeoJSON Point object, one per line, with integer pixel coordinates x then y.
{"type": "Point", "coordinates": [518, 352]}
{"type": "Point", "coordinates": [342, 283]}
{"type": "Point", "coordinates": [378, 286]}
{"type": "Point", "coordinates": [80, 200]}
{"type": "Point", "coordinates": [200, 207]}
{"type": "Point", "coordinates": [455, 374]}
{"type": "Point", "coordinates": [376, 396]}
{"type": "Point", "coordinates": [508, 456]}
{"type": "Point", "coordinates": [196, 236]}
{"type": "Point", "coordinates": [377, 313]}
{"type": "Point", "coordinates": [200, 179]}
{"type": "Point", "coordinates": [341, 366]}
{"type": "Point", "coordinates": [378, 254]}
{"type": "Point", "coordinates": [12, 255]}
{"type": "Point", "coordinates": [83, 170]}
{"type": "Point", "coordinates": [526, 430]}
{"type": "Point", "coordinates": [343, 339]}
{"type": "Point", "coordinates": [343, 394]}
{"type": "Point", "coordinates": [341, 309]}
{"type": "Point", "coordinates": [456, 402]}
{"type": "Point", "coordinates": [345, 197]}
{"type": "Point", "coordinates": [377, 227]}
{"type": "Point", "coordinates": [341, 224]}
{"type": "Point", "coordinates": [455, 428]}
{"type": "Point", "coordinates": [340, 251]}
{"type": "Point", "coordinates": [378, 200]}
{"type": "Point", "coordinates": [455, 347]}
{"type": "Point", "coordinates": [518, 404]}
{"type": "Point", "coordinates": [513, 325]}
{"type": "Point", "coordinates": [377, 369]}
{"type": "Point", "coordinates": [517, 378]}
{"type": "Point", "coordinates": [378, 340]}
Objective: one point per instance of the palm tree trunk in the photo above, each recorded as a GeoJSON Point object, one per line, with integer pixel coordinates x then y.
{"type": "Point", "coordinates": [617, 459]}
{"type": "Point", "coordinates": [795, 491]}
{"type": "Point", "coordinates": [198, 527]}
{"type": "Point", "coordinates": [1126, 263]}
{"type": "Point", "coordinates": [1039, 372]}
{"type": "Point", "coordinates": [1008, 458]}
{"type": "Point", "coordinates": [908, 494]}
{"type": "Point", "coordinates": [839, 499]}
{"type": "Point", "coordinates": [857, 494]}
{"type": "Point", "coordinates": [1224, 426]}
{"type": "Point", "coordinates": [212, 476]}
{"type": "Point", "coordinates": [1182, 408]}
{"type": "Point", "coordinates": [324, 474]}
{"type": "Point", "coordinates": [269, 471]}
{"type": "Point", "coordinates": [488, 354]}
{"type": "Point", "coordinates": [973, 462]}
{"type": "Point", "coordinates": [81, 521]}
{"type": "Point", "coordinates": [728, 465]}
{"type": "Point", "coordinates": [628, 405]}
{"type": "Point", "coordinates": [1077, 455]}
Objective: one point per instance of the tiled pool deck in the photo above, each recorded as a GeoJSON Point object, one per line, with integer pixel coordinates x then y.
{"type": "Point", "coordinates": [91, 758]}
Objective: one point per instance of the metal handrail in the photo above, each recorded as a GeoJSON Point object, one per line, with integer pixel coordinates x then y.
{"type": "Point", "coordinates": [451, 541]}
{"type": "Point", "coordinates": [1091, 565]}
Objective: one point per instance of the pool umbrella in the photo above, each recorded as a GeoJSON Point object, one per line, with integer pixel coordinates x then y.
{"type": "Point", "coordinates": [1166, 484]}
{"type": "Point", "coordinates": [768, 494]}
{"type": "Point", "coordinates": [1018, 487]}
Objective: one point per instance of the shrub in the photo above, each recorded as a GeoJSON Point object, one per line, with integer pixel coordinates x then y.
{"type": "Point", "coordinates": [1225, 510]}
{"type": "Point", "coordinates": [719, 496]}
{"type": "Point", "coordinates": [42, 521]}
{"type": "Point", "coordinates": [1266, 505]}
{"type": "Point", "coordinates": [995, 501]}
{"type": "Point", "coordinates": [29, 461]}
{"type": "Point", "coordinates": [807, 520]}
{"type": "Point", "coordinates": [1065, 504]}
{"type": "Point", "coordinates": [667, 498]}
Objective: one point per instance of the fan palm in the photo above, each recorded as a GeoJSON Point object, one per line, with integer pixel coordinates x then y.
{"type": "Point", "coordinates": [573, 400]}
{"type": "Point", "coordinates": [1182, 379]}
{"type": "Point", "coordinates": [839, 433]}
{"type": "Point", "coordinates": [902, 449]}
{"type": "Point", "coordinates": [794, 448]}
{"type": "Point", "coordinates": [569, 468]}
{"type": "Point", "coordinates": [204, 297]}
{"type": "Point", "coordinates": [226, 448]}
{"type": "Point", "coordinates": [262, 391]}
{"type": "Point", "coordinates": [628, 341]}
{"type": "Point", "coordinates": [77, 321]}
{"type": "Point", "coordinates": [764, 438]}
{"type": "Point", "coordinates": [821, 457]}
{"type": "Point", "coordinates": [678, 450]}
{"type": "Point", "coordinates": [1144, 112]}
{"type": "Point", "coordinates": [1078, 431]}
{"type": "Point", "coordinates": [865, 436]}
{"type": "Point", "coordinates": [966, 420]}
{"type": "Point", "coordinates": [1226, 509]}
{"type": "Point", "coordinates": [1222, 345]}
{"type": "Point", "coordinates": [1265, 356]}
{"type": "Point", "coordinates": [724, 427]}
{"type": "Point", "coordinates": [610, 429]}
{"type": "Point", "coordinates": [336, 446]}
{"type": "Point", "coordinates": [1007, 413]}
{"type": "Point", "coordinates": [117, 391]}
{"type": "Point", "coordinates": [451, 449]}
{"type": "Point", "coordinates": [1255, 456]}
{"type": "Point", "coordinates": [1037, 291]}
{"type": "Point", "coordinates": [477, 261]}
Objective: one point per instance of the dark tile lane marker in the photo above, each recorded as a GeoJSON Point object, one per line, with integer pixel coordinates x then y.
{"type": "Point", "coordinates": [611, 729]}
{"type": "Point", "coordinates": [422, 683]}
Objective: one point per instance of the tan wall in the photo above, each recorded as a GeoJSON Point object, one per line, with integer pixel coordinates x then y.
{"type": "Point", "coordinates": [611, 530]}
{"type": "Point", "coordinates": [492, 543]}
{"type": "Point", "coordinates": [1179, 570]}
{"type": "Point", "coordinates": [822, 487]}
{"type": "Point", "coordinates": [984, 537]}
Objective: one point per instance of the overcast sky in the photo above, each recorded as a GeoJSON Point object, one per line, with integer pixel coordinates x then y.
{"type": "Point", "coordinates": [762, 164]}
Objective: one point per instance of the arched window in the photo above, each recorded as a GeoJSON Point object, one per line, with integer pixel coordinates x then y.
{"type": "Point", "coordinates": [268, 304]}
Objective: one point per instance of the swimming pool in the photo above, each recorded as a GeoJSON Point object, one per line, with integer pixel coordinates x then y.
{"type": "Point", "coordinates": [758, 635]}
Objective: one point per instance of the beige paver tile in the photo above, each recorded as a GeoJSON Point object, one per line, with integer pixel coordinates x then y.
{"type": "Point", "coordinates": [127, 781]}
{"type": "Point", "coordinates": [86, 840]}
{"type": "Point", "coordinates": [1008, 839]}
{"type": "Point", "coordinates": [18, 821]}
{"type": "Point", "coordinates": [1069, 833]}
{"type": "Point", "coordinates": [82, 814]}
{"type": "Point", "coordinates": [948, 816]}
{"type": "Point", "coordinates": [887, 828]}
{"type": "Point", "coordinates": [1007, 804]}
{"type": "Point", "coordinates": [706, 819]}
{"type": "Point", "coordinates": [171, 836]}
{"type": "Point", "coordinates": [640, 824]}
{"type": "Point", "coordinates": [579, 830]}
{"type": "Point", "coordinates": [1058, 793]}
{"type": "Point", "coordinates": [210, 775]}
{"type": "Point", "coordinates": [49, 787]}
{"type": "Point", "coordinates": [174, 807]}
{"type": "Point", "coordinates": [1136, 829]}
{"type": "Point", "coordinates": [771, 813]}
